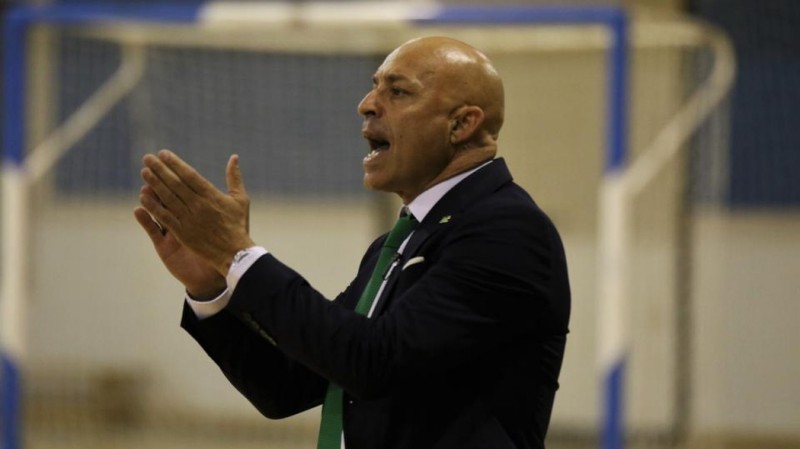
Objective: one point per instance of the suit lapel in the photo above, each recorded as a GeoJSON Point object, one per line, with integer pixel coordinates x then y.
{"type": "Point", "coordinates": [444, 214]}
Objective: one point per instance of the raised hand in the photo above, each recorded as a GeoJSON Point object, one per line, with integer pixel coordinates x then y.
{"type": "Point", "coordinates": [209, 223]}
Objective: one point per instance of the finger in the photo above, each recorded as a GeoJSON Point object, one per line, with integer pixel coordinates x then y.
{"type": "Point", "coordinates": [166, 185]}
{"type": "Point", "coordinates": [234, 178]}
{"type": "Point", "coordinates": [186, 173]}
{"type": "Point", "coordinates": [148, 223]}
{"type": "Point", "coordinates": [154, 206]}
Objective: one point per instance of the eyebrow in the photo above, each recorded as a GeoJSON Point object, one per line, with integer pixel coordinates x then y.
{"type": "Point", "coordinates": [392, 78]}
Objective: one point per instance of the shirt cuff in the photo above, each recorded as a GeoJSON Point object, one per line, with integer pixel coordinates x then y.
{"type": "Point", "coordinates": [242, 262]}
{"type": "Point", "coordinates": [205, 309]}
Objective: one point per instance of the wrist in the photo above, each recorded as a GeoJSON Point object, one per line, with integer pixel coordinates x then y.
{"type": "Point", "coordinates": [235, 257]}
{"type": "Point", "coordinates": [241, 263]}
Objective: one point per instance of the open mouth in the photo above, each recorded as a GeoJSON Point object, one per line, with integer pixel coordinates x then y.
{"type": "Point", "coordinates": [376, 146]}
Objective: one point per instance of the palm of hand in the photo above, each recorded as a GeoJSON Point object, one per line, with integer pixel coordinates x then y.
{"type": "Point", "coordinates": [200, 278]}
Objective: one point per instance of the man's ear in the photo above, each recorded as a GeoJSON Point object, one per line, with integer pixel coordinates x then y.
{"type": "Point", "coordinates": [466, 121]}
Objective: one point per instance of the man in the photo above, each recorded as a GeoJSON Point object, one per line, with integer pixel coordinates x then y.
{"type": "Point", "coordinates": [462, 342]}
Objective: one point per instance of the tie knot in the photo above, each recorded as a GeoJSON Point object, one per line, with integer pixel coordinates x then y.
{"type": "Point", "coordinates": [401, 230]}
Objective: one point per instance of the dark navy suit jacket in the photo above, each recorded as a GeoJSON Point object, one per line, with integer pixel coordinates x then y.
{"type": "Point", "coordinates": [463, 350]}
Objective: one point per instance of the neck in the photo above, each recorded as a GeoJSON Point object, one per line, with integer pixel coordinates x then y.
{"type": "Point", "coordinates": [464, 161]}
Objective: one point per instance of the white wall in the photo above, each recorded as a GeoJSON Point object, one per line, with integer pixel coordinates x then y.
{"type": "Point", "coordinates": [747, 293]}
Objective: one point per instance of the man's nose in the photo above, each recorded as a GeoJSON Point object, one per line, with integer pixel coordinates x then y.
{"type": "Point", "coordinates": [367, 106]}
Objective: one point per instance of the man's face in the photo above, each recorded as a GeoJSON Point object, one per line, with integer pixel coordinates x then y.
{"type": "Point", "coordinates": [407, 123]}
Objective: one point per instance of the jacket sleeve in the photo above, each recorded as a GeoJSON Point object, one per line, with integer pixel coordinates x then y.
{"type": "Point", "coordinates": [277, 386]}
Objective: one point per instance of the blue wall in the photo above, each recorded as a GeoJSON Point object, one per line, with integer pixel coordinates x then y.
{"type": "Point", "coordinates": [765, 140]}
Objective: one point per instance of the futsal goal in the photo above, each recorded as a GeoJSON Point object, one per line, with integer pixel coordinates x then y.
{"type": "Point", "coordinates": [616, 124]}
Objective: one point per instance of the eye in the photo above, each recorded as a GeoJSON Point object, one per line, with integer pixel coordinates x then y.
{"type": "Point", "coordinates": [397, 92]}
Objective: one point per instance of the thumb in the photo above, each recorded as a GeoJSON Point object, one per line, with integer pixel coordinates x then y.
{"type": "Point", "coordinates": [233, 177]}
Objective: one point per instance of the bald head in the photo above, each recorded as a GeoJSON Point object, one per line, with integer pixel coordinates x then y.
{"type": "Point", "coordinates": [462, 72]}
{"type": "Point", "coordinates": [435, 110]}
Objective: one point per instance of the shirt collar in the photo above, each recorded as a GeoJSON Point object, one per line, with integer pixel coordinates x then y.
{"type": "Point", "coordinates": [424, 202]}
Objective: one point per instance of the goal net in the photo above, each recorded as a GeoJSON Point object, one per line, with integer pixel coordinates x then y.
{"type": "Point", "coordinates": [88, 317]}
